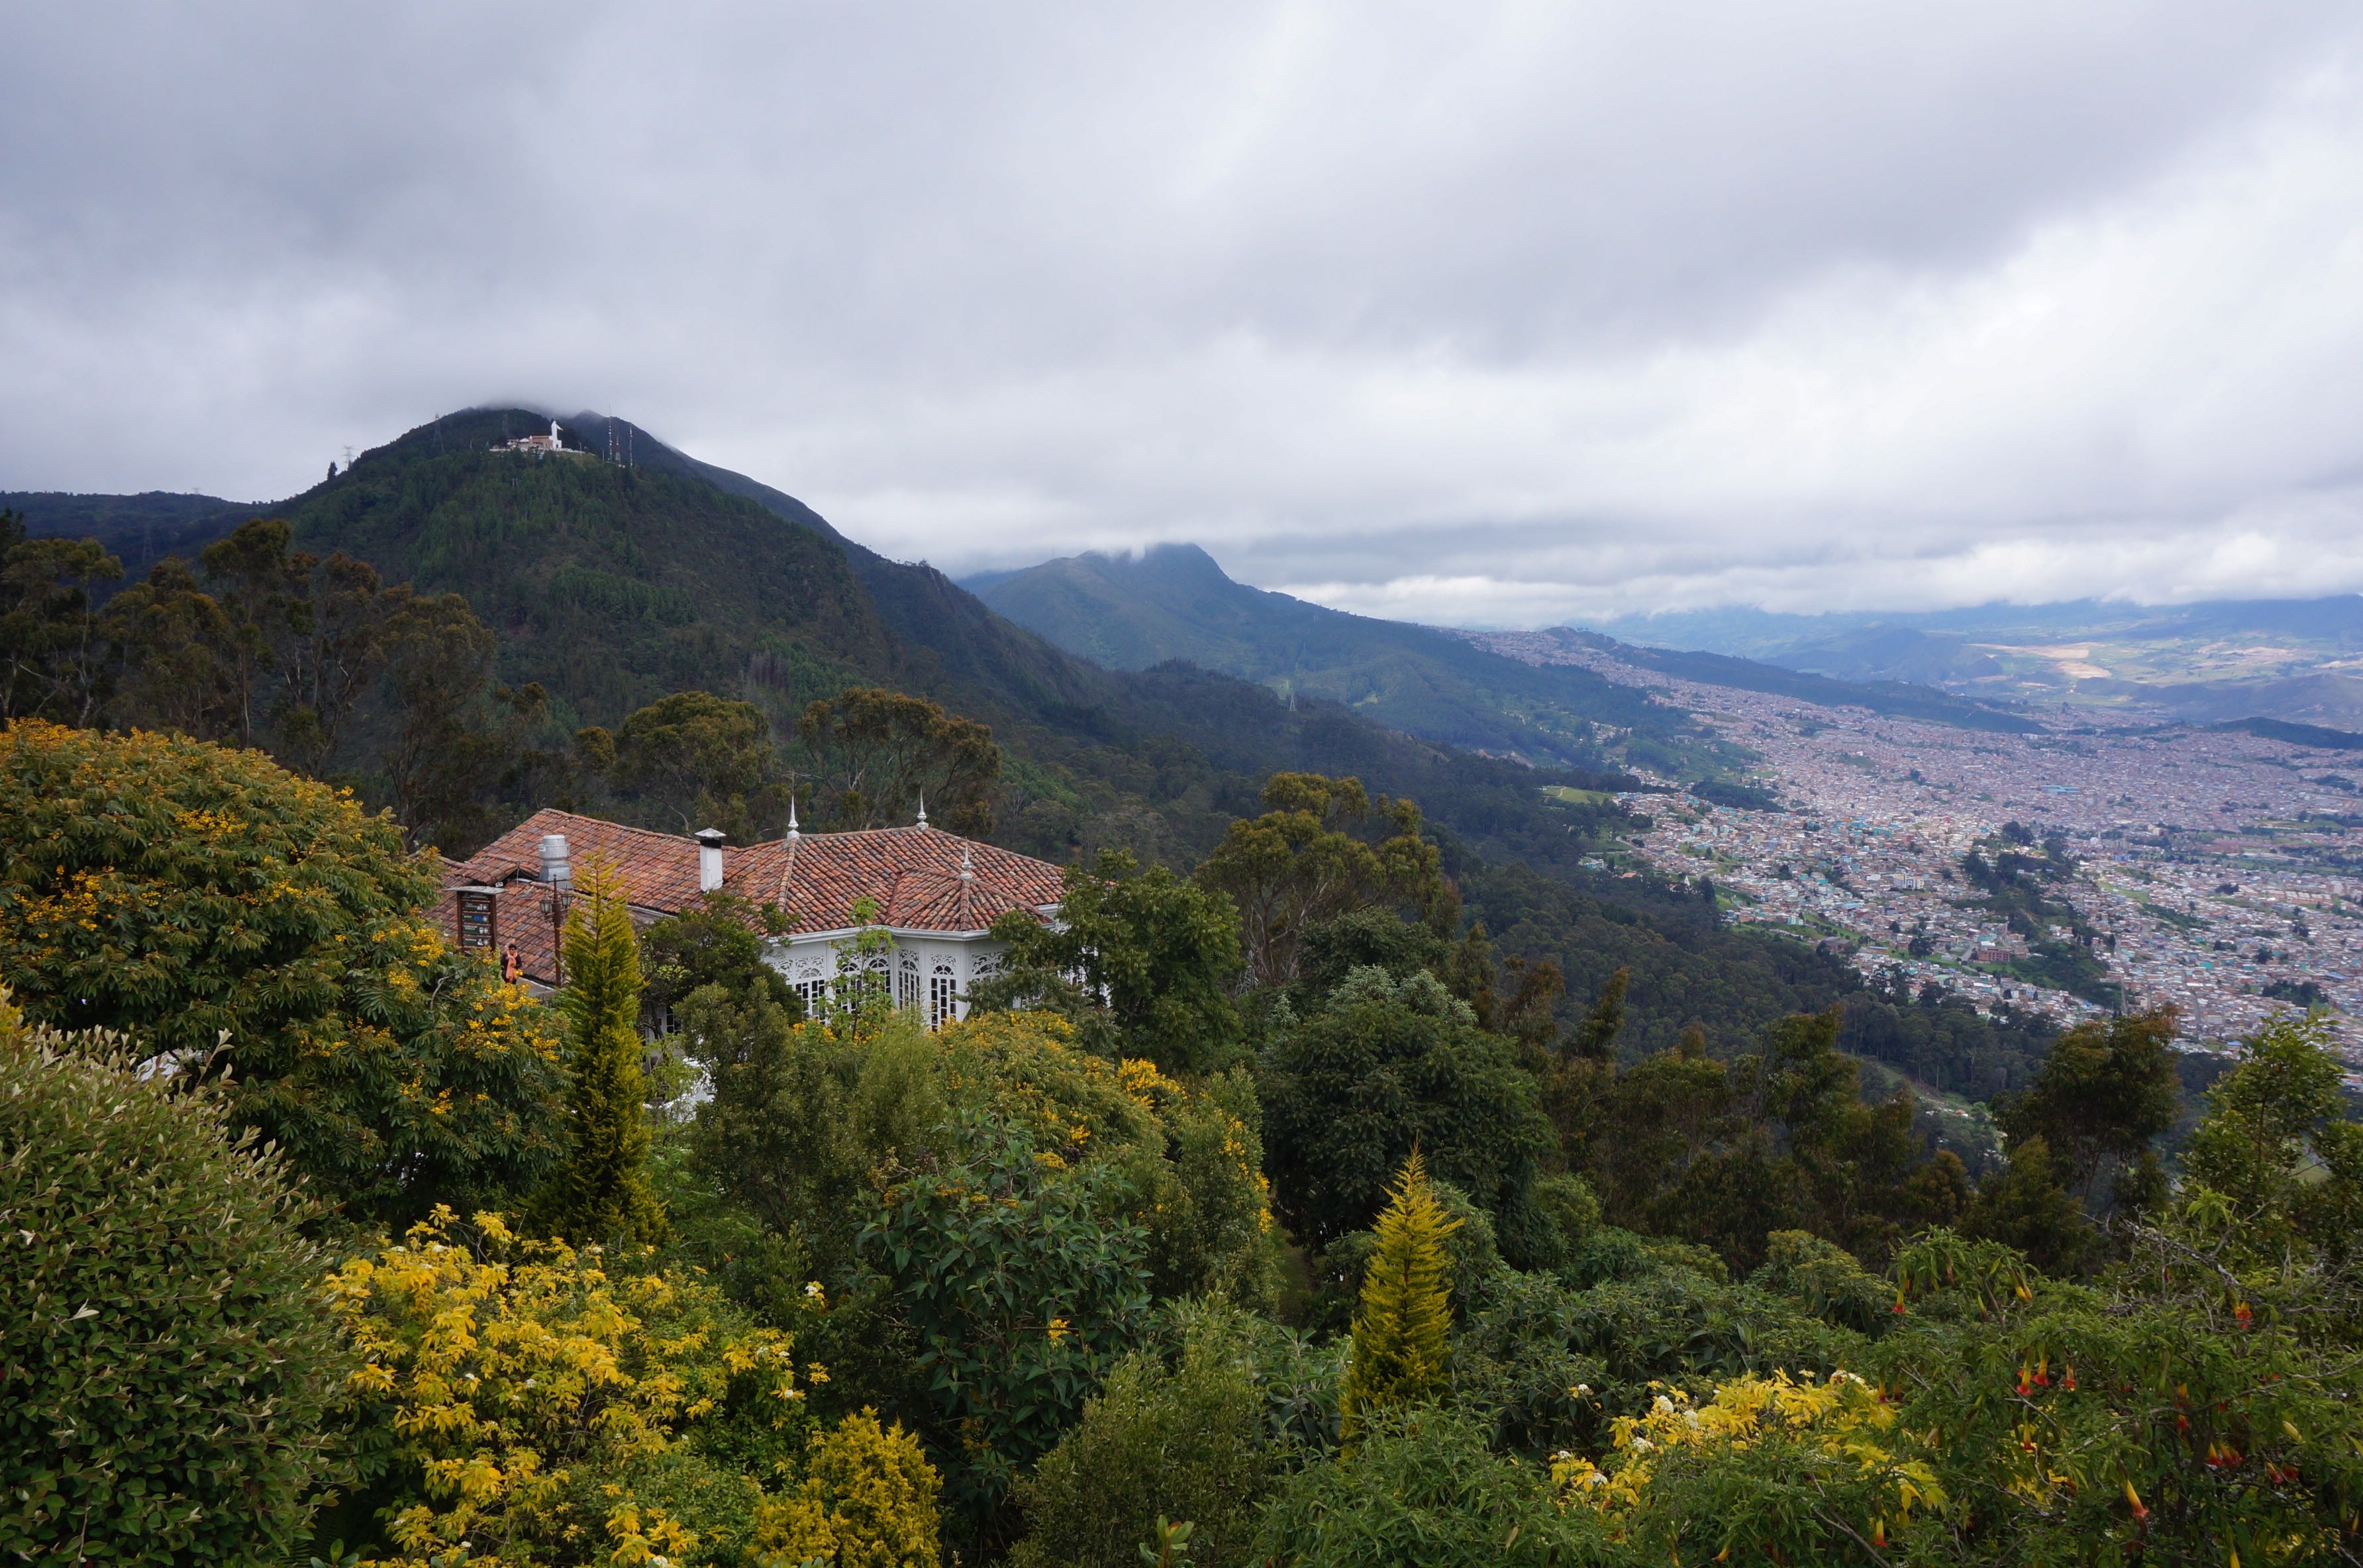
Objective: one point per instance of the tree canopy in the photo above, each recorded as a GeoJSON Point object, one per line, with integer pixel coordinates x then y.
{"type": "Point", "coordinates": [1310, 858]}
{"type": "Point", "coordinates": [1386, 1067]}
{"type": "Point", "coordinates": [874, 757]}
{"type": "Point", "coordinates": [241, 922]}
{"type": "Point", "coordinates": [167, 1367]}
{"type": "Point", "coordinates": [1144, 963]}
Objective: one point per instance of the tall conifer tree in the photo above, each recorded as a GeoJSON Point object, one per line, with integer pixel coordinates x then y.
{"type": "Point", "coordinates": [601, 1193]}
{"type": "Point", "coordinates": [1403, 1328]}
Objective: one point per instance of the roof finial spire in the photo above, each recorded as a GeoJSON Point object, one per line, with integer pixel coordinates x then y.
{"type": "Point", "coordinates": [923, 808]}
{"type": "Point", "coordinates": [793, 832]}
{"type": "Point", "coordinates": [967, 867]}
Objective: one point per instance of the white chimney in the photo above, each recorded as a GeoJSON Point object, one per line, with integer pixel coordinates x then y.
{"type": "Point", "coordinates": [709, 859]}
{"type": "Point", "coordinates": [556, 869]}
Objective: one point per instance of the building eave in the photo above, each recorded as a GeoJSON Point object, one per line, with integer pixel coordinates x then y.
{"type": "Point", "coordinates": [794, 938]}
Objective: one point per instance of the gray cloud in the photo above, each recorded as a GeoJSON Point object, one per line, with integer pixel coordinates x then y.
{"type": "Point", "coordinates": [1491, 315]}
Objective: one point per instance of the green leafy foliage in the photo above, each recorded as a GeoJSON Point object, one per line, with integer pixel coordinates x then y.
{"type": "Point", "coordinates": [1144, 963]}
{"type": "Point", "coordinates": [53, 648]}
{"type": "Point", "coordinates": [800, 1114]}
{"type": "Point", "coordinates": [2108, 1090]}
{"type": "Point", "coordinates": [1019, 1283]}
{"type": "Point", "coordinates": [716, 941]}
{"type": "Point", "coordinates": [1938, 1037]}
{"type": "Point", "coordinates": [167, 1362]}
{"type": "Point", "coordinates": [993, 1207]}
{"type": "Point", "coordinates": [867, 1500]}
{"type": "Point", "coordinates": [875, 756]}
{"type": "Point", "coordinates": [456, 759]}
{"type": "Point", "coordinates": [237, 919]}
{"type": "Point", "coordinates": [695, 760]}
{"type": "Point", "coordinates": [317, 659]}
{"type": "Point", "coordinates": [1188, 1438]}
{"type": "Point", "coordinates": [2276, 1148]}
{"type": "Point", "coordinates": [2027, 1207]}
{"type": "Point", "coordinates": [1552, 1361]}
{"type": "Point", "coordinates": [1424, 1488]}
{"type": "Point", "coordinates": [1726, 1154]}
{"type": "Point", "coordinates": [600, 1191]}
{"type": "Point", "coordinates": [1308, 860]}
{"type": "Point", "coordinates": [534, 1403]}
{"type": "Point", "coordinates": [2166, 1414]}
{"type": "Point", "coordinates": [1386, 1065]}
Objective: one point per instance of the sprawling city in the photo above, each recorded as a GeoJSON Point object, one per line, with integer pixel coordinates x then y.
{"type": "Point", "coordinates": [2068, 872]}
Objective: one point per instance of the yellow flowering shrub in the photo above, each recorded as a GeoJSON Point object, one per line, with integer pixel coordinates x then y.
{"type": "Point", "coordinates": [1771, 1467]}
{"type": "Point", "coordinates": [528, 1405]}
{"type": "Point", "coordinates": [867, 1501]}
{"type": "Point", "coordinates": [1193, 1152]}
{"type": "Point", "coordinates": [1025, 1069]}
{"type": "Point", "coordinates": [242, 922]}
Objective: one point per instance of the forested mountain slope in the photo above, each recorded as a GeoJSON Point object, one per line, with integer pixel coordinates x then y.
{"type": "Point", "coordinates": [1173, 602]}
{"type": "Point", "coordinates": [138, 530]}
{"type": "Point", "coordinates": [950, 636]}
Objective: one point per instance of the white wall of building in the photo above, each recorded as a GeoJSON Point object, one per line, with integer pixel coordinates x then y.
{"type": "Point", "coordinates": [930, 971]}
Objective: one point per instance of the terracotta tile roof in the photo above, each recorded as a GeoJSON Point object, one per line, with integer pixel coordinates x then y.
{"type": "Point", "coordinates": [658, 870]}
{"type": "Point", "coordinates": [914, 873]}
{"type": "Point", "coordinates": [924, 879]}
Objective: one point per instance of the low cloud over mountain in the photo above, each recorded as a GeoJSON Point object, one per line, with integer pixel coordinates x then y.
{"type": "Point", "coordinates": [1497, 315]}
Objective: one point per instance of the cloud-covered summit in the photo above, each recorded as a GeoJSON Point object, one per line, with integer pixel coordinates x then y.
{"type": "Point", "coordinates": [1493, 315]}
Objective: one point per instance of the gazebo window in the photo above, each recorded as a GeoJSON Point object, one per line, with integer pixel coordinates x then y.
{"type": "Point", "coordinates": [943, 995]}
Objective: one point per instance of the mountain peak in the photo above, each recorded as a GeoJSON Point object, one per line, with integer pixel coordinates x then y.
{"type": "Point", "coordinates": [1178, 562]}
{"type": "Point", "coordinates": [1175, 601]}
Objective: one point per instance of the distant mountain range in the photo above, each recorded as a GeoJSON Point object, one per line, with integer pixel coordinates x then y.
{"type": "Point", "coordinates": [1898, 698]}
{"type": "Point", "coordinates": [2298, 660]}
{"type": "Point", "coordinates": [139, 530]}
{"type": "Point", "coordinates": [1174, 601]}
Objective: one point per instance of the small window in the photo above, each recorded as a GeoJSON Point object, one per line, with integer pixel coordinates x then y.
{"type": "Point", "coordinates": [943, 997]}
{"type": "Point", "coordinates": [907, 987]}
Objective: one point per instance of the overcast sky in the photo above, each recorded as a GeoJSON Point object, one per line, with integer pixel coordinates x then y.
{"type": "Point", "coordinates": [1495, 315]}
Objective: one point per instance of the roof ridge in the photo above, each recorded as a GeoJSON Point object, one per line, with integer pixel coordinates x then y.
{"type": "Point", "coordinates": [603, 822]}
